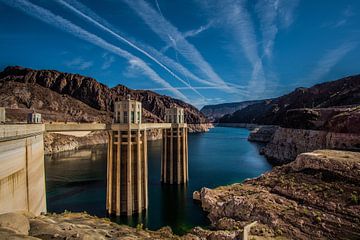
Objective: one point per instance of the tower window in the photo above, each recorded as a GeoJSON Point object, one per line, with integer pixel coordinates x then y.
{"type": "Point", "coordinates": [125, 117]}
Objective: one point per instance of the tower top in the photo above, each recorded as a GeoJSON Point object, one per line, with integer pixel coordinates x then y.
{"type": "Point", "coordinates": [174, 115]}
{"type": "Point", "coordinates": [127, 111]}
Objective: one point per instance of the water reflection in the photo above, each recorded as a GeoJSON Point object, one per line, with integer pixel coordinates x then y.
{"type": "Point", "coordinates": [173, 205]}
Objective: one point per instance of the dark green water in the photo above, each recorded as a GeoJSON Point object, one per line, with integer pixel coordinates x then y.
{"type": "Point", "coordinates": [75, 180]}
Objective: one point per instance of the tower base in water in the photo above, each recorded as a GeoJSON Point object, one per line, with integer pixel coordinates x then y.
{"type": "Point", "coordinates": [174, 161]}
{"type": "Point", "coordinates": [127, 190]}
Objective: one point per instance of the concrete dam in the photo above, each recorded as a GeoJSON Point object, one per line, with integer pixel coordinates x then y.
{"type": "Point", "coordinates": [22, 174]}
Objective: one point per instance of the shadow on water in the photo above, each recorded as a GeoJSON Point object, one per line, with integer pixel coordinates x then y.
{"type": "Point", "coordinates": [76, 180]}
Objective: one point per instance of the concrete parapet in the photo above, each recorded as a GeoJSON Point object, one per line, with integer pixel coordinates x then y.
{"type": "Point", "coordinates": [18, 131]}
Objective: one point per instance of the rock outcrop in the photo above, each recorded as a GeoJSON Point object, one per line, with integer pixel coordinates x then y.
{"type": "Point", "coordinates": [314, 197]}
{"type": "Point", "coordinates": [262, 134]}
{"type": "Point", "coordinates": [203, 127]}
{"type": "Point", "coordinates": [287, 143]}
{"type": "Point", "coordinates": [55, 143]}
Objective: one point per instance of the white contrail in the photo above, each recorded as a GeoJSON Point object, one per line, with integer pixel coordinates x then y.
{"type": "Point", "coordinates": [119, 37]}
{"type": "Point", "coordinates": [67, 26]}
{"type": "Point", "coordinates": [164, 29]}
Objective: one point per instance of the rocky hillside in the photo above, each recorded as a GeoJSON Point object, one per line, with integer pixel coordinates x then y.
{"type": "Point", "coordinates": [334, 94]}
{"type": "Point", "coordinates": [72, 97]}
{"type": "Point", "coordinates": [216, 111]}
{"type": "Point", "coordinates": [314, 197]}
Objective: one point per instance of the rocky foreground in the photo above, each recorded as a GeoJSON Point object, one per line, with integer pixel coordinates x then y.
{"type": "Point", "coordinates": [72, 226]}
{"type": "Point", "coordinates": [314, 197]}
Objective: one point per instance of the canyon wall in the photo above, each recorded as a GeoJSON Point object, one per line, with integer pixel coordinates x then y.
{"type": "Point", "coordinates": [287, 143]}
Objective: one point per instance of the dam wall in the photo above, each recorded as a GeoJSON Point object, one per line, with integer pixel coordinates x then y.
{"type": "Point", "coordinates": [22, 174]}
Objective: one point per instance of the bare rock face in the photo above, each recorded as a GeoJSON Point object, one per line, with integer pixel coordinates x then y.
{"type": "Point", "coordinates": [314, 197]}
{"type": "Point", "coordinates": [55, 143]}
{"type": "Point", "coordinates": [203, 127]}
{"type": "Point", "coordinates": [333, 119]}
{"type": "Point", "coordinates": [262, 134]}
{"type": "Point", "coordinates": [287, 143]}
{"type": "Point", "coordinates": [14, 222]}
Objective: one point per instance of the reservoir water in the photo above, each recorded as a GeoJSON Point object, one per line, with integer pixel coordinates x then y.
{"type": "Point", "coordinates": [76, 180]}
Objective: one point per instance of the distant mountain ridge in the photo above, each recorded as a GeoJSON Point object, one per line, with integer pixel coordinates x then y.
{"type": "Point", "coordinates": [216, 111]}
{"type": "Point", "coordinates": [336, 94]}
{"type": "Point", "coordinates": [73, 97]}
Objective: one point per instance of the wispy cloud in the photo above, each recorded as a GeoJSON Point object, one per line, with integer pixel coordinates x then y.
{"type": "Point", "coordinates": [167, 32]}
{"type": "Point", "coordinates": [108, 61]}
{"type": "Point", "coordinates": [342, 20]}
{"type": "Point", "coordinates": [79, 63]}
{"type": "Point", "coordinates": [194, 32]}
{"type": "Point", "coordinates": [274, 14]}
{"type": "Point", "coordinates": [286, 12]}
{"type": "Point", "coordinates": [67, 26]}
{"type": "Point", "coordinates": [329, 60]}
{"type": "Point", "coordinates": [93, 18]}
{"type": "Point", "coordinates": [267, 12]}
{"type": "Point", "coordinates": [235, 18]}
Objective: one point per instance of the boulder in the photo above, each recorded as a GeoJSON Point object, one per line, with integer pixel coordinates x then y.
{"type": "Point", "coordinates": [15, 222]}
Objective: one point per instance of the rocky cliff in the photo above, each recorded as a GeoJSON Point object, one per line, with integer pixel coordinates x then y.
{"type": "Point", "coordinates": [262, 134]}
{"type": "Point", "coordinates": [314, 197]}
{"type": "Point", "coordinates": [78, 98]}
{"type": "Point", "coordinates": [342, 92]}
{"type": "Point", "coordinates": [287, 143]}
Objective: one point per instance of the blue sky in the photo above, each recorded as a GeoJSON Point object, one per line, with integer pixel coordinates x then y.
{"type": "Point", "coordinates": [200, 51]}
